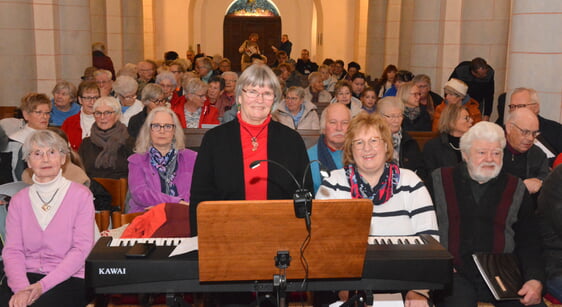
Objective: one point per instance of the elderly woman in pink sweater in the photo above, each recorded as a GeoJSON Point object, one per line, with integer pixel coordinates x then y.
{"type": "Point", "coordinates": [49, 231]}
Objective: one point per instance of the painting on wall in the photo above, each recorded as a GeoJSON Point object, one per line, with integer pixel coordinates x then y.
{"type": "Point", "coordinates": [263, 8]}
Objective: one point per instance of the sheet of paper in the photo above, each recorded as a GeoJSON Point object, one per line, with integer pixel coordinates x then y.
{"type": "Point", "coordinates": [187, 245]}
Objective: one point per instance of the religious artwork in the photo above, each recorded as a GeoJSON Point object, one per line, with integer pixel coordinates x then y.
{"type": "Point", "coordinates": [253, 8]}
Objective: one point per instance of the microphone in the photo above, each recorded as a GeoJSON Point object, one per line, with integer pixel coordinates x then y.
{"type": "Point", "coordinates": [302, 198]}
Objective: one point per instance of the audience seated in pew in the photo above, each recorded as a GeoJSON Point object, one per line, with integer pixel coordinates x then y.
{"type": "Point", "coordinates": [78, 126]}
{"type": "Point", "coordinates": [521, 157]}
{"type": "Point", "coordinates": [196, 111]}
{"type": "Point", "coordinates": [369, 100]}
{"type": "Point", "coordinates": [416, 117]}
{"type": "Point", "coordinates": [428, 98]}
{"type": "Point", "coordinates": [72, 168]}
{"type": "Point", "coordinates": [315, 91]}
{"type": "Point", "coordinates": [455, 93]}
{"type": "Point", "coordinates": [406, 152]}
{"type": "Point", "coordinates": [328, 150]}
{"type": "Point", "coordinates": [295, 112]}
{"type": "Point", "coordinates": [152, 97]}
{"type": "Point", "coordinates": [343, 96]}
{"type": "Point", "coordinates": [36, 110]}
{"type": "Point", "coordinates": [64, 103]}
{"type": "Point", "coordinates": [401, 204]}
{"type": "Point", "coordinates": [160, 170]}
{"type": "Point", "coordinates": [53, 217]}
{"type": "Point", "coordinates": [444, 150]}
{"type": "Point", "coordinates": [126, 89]}
{"type": "Point", "coordinates": [106, 150]}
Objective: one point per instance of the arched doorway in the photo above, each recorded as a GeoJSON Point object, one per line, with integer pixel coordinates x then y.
{"type": "Point", "coordinates": [251, 16]}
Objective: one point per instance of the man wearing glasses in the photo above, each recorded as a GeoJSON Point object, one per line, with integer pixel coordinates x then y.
{"type": "Point", "coordinates": [549, 139]}
{"type": "Point", "coordinates": [521, 157]}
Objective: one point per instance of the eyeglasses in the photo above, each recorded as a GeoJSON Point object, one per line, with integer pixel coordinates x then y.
{"type": "Point", "coordinates": [374, 142]}
{"type": "Point", "coordinates": [167, 85]}
{"type": "Point", "coordinates": [254, 94]}
{"type": "Point", "coordinates": [202, 96]}
{"type": "Point", "coordinates": [395, 117]}
{"type": "Point", "coordinates": [39, 155]}
{"type": "Point", "coordinates": [41, 113]}
{"type": "Point", "coordinates": [159, 101]}
{"type": "Point", "coordinates": [157, 127]}
{"type": "Point", "coordinates": [130, 97]}
{"type": "Point", "coordinates": [90, 98]}
{"type": "Point", "coordinates": [106, 113]}
{"type": "Point", "coordinates": [452, 94]}
{"type": "Point", "coordinates": [526, 133]}
{"type": "Point", "coordinates": [519, 106]}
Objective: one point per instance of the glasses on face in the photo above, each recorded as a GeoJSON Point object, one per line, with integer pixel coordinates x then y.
{"type": "Point", "coordinates": [167, 85]}
{"type": "Point", "coordinates": [41, 113]}
{"type": "Point", "coordinates": [393, 116]}
{"type": "Point", "coordinates": [90, 98]}
{"type": "Point", "coordinates": [452, 94]}
{"type": "Point", "coordinates": [254, 94]}
{"type": "Point", "coordinates": [104, 114]}
{"type": "Point", "coordinates": [527, 133]}
{"type": "Point", "coordinates": [202, 96]}
{"type": "Point", "coordinates": [130, 97]}
{"type": "Point", "coordinates": [160, 101]}
{"type": "Point", "coordinates": [519, 106]}
{"type": "Point", "coordinates": [39, 155]}
{"type": "Point", "coordinates": [373, 142]}
{"type": "Point", "coordinates": [157, 127]}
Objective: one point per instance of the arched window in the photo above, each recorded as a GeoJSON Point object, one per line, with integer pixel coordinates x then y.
{"type": "Point", "coordinates": [262, 8]}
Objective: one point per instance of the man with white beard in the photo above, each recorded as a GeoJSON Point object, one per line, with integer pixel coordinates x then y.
{"type": "Point", "coordinates": [480, 208]}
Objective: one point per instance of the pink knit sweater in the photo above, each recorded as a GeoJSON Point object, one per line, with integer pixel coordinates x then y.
{"type": "Point", "coordinates": [59, 251]}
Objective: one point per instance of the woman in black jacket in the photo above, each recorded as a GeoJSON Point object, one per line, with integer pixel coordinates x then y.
{"type": "Point", "coordinates": [444, 150]}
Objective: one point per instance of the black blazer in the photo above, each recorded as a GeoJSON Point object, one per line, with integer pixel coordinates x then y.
{"type": "Point", "coordinates": [219, 173]}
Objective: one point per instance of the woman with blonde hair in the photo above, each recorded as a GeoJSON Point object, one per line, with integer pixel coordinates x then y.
{"type": "Point", "coordinates": [416, 117]}
{"type": "Point", "coordinates": [444, 150]}
{"type": "Point", "coordinates": [160, 171]}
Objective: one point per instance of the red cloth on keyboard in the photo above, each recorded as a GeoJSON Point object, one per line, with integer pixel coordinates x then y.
{"type": "Point", "coordinates": [166, 220]}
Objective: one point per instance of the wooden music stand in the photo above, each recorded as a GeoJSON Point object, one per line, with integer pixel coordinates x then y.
{"type": "Point", "coordinates": [238, 240]}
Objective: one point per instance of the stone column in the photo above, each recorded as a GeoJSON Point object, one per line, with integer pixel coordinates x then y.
{"type": "Point", "coordinates": [535, 53]}
{"type": "Point", "coordinates": [427, 41]}
{"type": "Point", "coordinates": [484, 33]}
{"type": "Point", "coordinates": [132, 25]}
{"type": "Point", "coordinates": [17, 58]}
{"type": "Point", "coordinates": [375, 53]}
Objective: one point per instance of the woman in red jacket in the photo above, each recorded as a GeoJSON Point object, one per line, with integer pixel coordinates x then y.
{"type": "Point", "coordinates": [196, 110]}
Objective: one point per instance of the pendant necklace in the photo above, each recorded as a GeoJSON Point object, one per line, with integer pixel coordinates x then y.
{"type": "Point", "coordinates": [47, 204]}
{"type": "Point", "coordinates": [254, 139]}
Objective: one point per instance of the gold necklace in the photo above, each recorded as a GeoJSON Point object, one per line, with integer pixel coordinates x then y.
{"type": "Point", "coordinates": [47, 204]}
